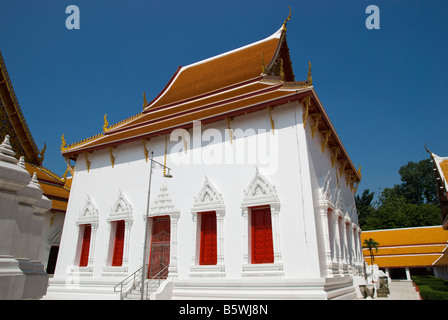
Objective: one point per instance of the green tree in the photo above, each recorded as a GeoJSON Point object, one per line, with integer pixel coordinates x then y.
{"type": "Point", "coordinates": [413, 203]}
{"type": "Point", "coordinates": [371, 244]}
{"type": "Point", "coordinates": [364, 206]}
{"type": "Point", "coordinates": [418, 182]}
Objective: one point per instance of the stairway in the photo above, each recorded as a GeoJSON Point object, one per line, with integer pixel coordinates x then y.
{"type": "Point", "coordinates": [151, 285]}
{"type": "Point", "coordinates": [130, 288]}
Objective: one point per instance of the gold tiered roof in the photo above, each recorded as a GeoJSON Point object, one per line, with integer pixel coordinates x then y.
{"type": "Point", "coordinates": [248, 79]}
{"type": "Point", "coordinates": [409, 247]}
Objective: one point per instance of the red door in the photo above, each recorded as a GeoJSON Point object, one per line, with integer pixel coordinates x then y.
{"type": "Point", "coordinates": [85, 248]}
{"type": "Point", "coordinates": [160, 247]}
{"type": "Point", "coordinates": [208, 255]}
{"type": "Point", "coordinates": [261, 234]}
{"type": "Point", "coordinates": [117, 259]}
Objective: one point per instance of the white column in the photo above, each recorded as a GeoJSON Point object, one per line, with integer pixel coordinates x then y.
{"type": "Point", "coordinates": [127, 234]}
{"type": "Point", "coordinates": [276, 234]}
{"type": "Point", "coordinates": [246, 235]}
{"type": "Point", "coordinates": [193, 238]}
{"type": "Point", "coordinates": [172, 269]}
{"type": "Point", "coordinates": [336, 241]}
{"type": "Point", "coordinates": [220, 238]}
{"type": "Point", "coordinates": [326, 230]}
{"type": "Point", "coordinates": [408, 274]}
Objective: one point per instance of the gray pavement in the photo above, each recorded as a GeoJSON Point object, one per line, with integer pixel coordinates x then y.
{"type": "Point", "coordinates": [400, 290]}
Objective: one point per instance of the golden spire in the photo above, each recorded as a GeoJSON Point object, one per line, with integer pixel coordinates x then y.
{"type": "Point", "coordinates": [64, 144]}
{"type": "Point", "coordinates": [287, 19]}
{"type": "Point", "coordinates": [106, 123]}
{"type": "Point", "coordinates": [42, 153]}
{"type": "Point", "coordinates": [309, 79]}
{"type": "Point", "coordinates": [145, 103]}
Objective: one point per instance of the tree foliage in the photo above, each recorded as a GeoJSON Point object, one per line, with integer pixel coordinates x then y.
{"type": "Point", "coordinates": [413, 203]}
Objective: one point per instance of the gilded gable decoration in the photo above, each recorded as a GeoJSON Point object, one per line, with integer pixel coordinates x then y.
{"type": "Point", "coordinates": [106, 124]}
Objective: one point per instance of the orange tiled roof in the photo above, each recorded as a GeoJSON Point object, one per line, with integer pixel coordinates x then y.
{"type": "Point", "coordinates": [218, 72]}
{"type": "Point", "coordinates": [53, 186]}
{"type": "Point", "coordinates": [408, 247]}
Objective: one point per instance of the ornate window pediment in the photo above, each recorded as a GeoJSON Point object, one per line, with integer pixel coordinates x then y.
{"type": "Point", "coordinates": [260, 192]}
{"type": "Point", "coordinates": [121, 210]}
{"type": "Point", "coordinates": [88, 214]}
{"type": "Point", "coordinates": [209, 199]}
{"type": "Point", "coordinates": [163, 205]}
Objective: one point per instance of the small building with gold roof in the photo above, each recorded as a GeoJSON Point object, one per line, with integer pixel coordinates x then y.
{"type": "Point", "coordinates": [408, 251]}
{"type": "Point", "coordinates": [54, 187]}
{"type": "Point", "coordinates": [260, 203]}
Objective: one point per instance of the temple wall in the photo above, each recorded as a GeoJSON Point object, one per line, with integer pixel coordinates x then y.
{"type": "Point", "coordinates": [287, 161]}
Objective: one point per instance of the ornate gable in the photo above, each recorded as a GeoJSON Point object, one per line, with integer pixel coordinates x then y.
{"type": "Point", "coordinates": [209, 199]}
{"type": "Point", "coordinates": [260, 191]}
{"type": "Point", "coordinates": [88, 214]}
{"type": "Point", "coordinates": [121, 210]}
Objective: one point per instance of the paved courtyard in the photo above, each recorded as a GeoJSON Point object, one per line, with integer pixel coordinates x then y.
{"type": "Point", "coordinates": [401, 290]}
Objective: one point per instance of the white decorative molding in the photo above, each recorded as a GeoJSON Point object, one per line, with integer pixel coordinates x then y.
{"type": "Point", "coordinates": [209, 199]}
{"type": "Point", "coordinates": [261, 192]}
{"type": "Point", "coordinates": [121, 210]}
{"type": "Point", "coordinates": [324, 186]}
{"type": "Point", "coordinates": [88, 215]}
{"type": "Point", "coordinates": [163, 206]}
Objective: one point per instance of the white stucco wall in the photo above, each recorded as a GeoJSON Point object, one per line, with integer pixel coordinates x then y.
{"type": "Point", "coordinates": [296, 164]}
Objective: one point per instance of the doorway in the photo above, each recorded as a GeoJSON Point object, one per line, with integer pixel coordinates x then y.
{"type": "Point", "coordinates": [159, 257]}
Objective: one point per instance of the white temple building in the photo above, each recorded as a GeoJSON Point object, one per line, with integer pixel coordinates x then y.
{"type": "Point", "coordinates": [260, 204]}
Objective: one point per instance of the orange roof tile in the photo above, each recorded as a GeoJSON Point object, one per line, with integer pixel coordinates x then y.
{"type": "Point", "coordinates": [218, 72]}
{"type": "Point", "coordinates": [404, 261]}
{"type": "Point", "coordinates": [409, 247]}
{"type": "Point", "coordinates": [227, 85]}
{"type": "Point", "coordinates": [53, 187]}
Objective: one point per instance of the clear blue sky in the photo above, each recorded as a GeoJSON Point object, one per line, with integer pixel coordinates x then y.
{"type": "Point", "coordinates": [385, 90]}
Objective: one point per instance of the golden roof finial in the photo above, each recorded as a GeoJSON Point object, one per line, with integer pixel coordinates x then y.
{"type": "Point", "coordinates": [42, 153]}
{"type": "Point", "coordinates": [106, 124]}
{"type": "Point", "coordinates": [145, 103]}
{"type": "Point", "coordinates": [427, 149]}
{"type": "Point", "coordinates": [287, 19]}
{"type": "Point", "coordinates": [64, 144]}
{"type": "Point", "coordinates": [309, 79]}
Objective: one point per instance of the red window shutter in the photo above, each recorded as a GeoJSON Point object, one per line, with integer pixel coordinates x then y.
{"type": "Point", "coordinates": [117, 259]}
{"type": "Point", "coordinates": [261, 234]}
{"type": "Point", "coordinates": [84, 259]}
{"type": "Point", "coordinates": [208, 251]}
